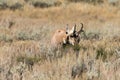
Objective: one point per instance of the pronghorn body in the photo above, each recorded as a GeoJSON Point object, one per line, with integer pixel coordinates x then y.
{"type": "Point", "coordinates": [59, 38]}
{"type": "Point", "coordinates": [67, 36]}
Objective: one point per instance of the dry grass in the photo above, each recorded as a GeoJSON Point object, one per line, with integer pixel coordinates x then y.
{"type": "Point", "coordinates": [25, 52]}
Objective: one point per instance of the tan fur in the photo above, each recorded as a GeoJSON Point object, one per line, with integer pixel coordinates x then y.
{"type": "Point", "coordinates": [59, 38]}
{"type": "Point", "coordinates": [68, 36]}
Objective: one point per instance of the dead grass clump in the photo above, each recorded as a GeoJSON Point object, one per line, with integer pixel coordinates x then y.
{"type": "Point", "coordinates": [105, 53]}
{"type": "Point", "coordinates": [29, 61]}
{"type": "Point", "coordinates": [23, 36]}
{"type": "Point", "coordinates": [44, 3]}
{"type": "Point", "coordinates": [101, 53]}
{"type": "Point", "coordinates": [41, 4]}
{"type": "Point", "coordinates": [3, 6]}
{"type": "Point", "coordinates": [29, 56]}
{"type": "Point", "coordinates": [114, 2]}
{"type": "Point", "coordinates": [76, 47]}
{"type": "Point", "coordinates": [78, 70]}
{"type": "Point", "coordinates": [31, 34]}
{"type": "Point", "coordinates": [46, 52]}
{"type": "Point", "coordinates": [16, 6]}
{"type": "Point", "coordinates": [117, 51]}
{"type": "Point", "coordinates": [11, 5]}
{"type": "Point", "coordinates": [6, 38]}
{"type": "Point", "coordinates": [88, 1]}
{"type": "Point", "coordinates": [58, 3]}
{"type": "Point", "coordinates": [93, 36]}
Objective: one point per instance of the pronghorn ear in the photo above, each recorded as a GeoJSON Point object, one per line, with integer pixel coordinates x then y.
{"type": "Point", "coordinates": [73, 28]}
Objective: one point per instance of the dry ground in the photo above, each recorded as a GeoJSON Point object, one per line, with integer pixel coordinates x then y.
{"type": "Point", "coordinates": [25, 35]}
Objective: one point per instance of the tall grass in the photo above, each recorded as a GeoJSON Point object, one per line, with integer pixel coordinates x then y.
{"type": "Point", "coordinates": [25, 52]}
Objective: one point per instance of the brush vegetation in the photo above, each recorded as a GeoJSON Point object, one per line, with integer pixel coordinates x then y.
{"type": "Point", "coordinates": [26, 28]}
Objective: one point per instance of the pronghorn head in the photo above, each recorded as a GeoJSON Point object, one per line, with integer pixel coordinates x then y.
{"type": "Point", "coordinates": [68, 36]}
{"type": "Point", "coordinates": [74, 35]}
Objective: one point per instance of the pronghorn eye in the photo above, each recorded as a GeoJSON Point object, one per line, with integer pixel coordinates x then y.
{"type": "Point", "coordinates": [66, 32]}
{"type": "Point", "coordinates": [59, 31]}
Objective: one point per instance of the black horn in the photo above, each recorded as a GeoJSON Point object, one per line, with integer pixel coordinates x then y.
{"type": "Point", "coordinates": [82, 26]}
{"type": "Point", "coordinates": [81, 30]}
{"type": "Point", "coordinates": [75, 27]}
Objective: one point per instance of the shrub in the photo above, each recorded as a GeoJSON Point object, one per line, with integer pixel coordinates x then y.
{"type": "Point", "coordinates": [16, 6]}
{"type": "Point", "coordinates": [88, 1]}
{"type": "Point", "coordinates": [29, 61]}
{"type": "Point", "coordinates": [5, 38]}
{"type": "Point", "coordinates": [3, 5]}
{"type": "Point", "coordinates": [41, 4]}
{"type": "Point", "coordinates": [13, 6]}
{"type": "Point", "coordinates": [28, 36]}
{"type": "Point", "coordinates": [93, 36]}
{"type": "Point", "coordinates": [78, 70]}
{"type": "Point", "coordinates": [57, 3]}
{"type": "Point", "coordinates": [101, 53]}
{"type": "Point", "coordinates": [76, 47]}
{"type": "Point", "coordinates": [114, 2]}
{"type": "Point", "coordinates": [22, 36]}
{"type": "Point", "coordinates": [44, 3]}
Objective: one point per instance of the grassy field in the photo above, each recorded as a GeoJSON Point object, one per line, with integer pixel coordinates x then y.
{"type": "Point", "coordinates": [25, 35]}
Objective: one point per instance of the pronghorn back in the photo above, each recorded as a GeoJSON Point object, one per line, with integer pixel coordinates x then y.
{"type": "Point", "coordinates": [59, 37]}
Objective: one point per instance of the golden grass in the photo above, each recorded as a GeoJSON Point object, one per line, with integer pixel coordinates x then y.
{"type": "Point", "coordinates": [38, 26]}
{"type": "Point", "coordinates": [72, 12]}
{"type": "Point", "coordinates": [60, 68]}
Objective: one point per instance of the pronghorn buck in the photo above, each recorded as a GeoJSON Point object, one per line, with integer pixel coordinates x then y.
{"type": "Point", "coordinates": [68, 36]}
